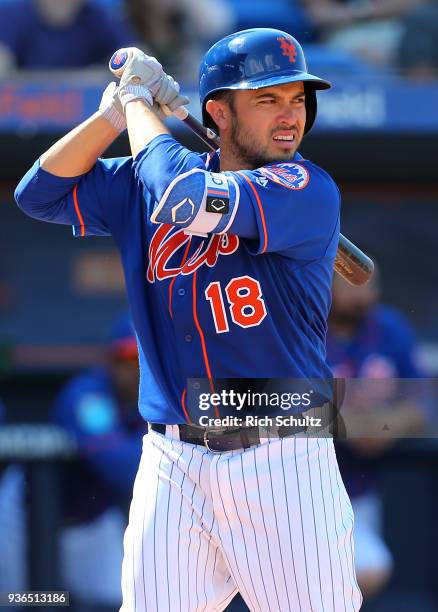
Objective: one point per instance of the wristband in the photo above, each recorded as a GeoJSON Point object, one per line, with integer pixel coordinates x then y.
{"type": "Point", "coordinates": [113, 116]}
{"type": "Point", "coordinates": [128, 93]}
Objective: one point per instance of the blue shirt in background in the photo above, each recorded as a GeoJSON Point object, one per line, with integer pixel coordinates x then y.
{"type": "Point", "coordinates": [90, 38]}
{"type": "Point", "coordinates": [384, 346]}
{"type": "Point", "coordinates": [109, 438]}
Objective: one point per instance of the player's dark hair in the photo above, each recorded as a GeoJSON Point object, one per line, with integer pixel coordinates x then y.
{"type": "Point", "coordinates": [226, 95]}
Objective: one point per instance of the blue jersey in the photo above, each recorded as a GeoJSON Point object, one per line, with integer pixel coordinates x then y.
{"type": "Point", "coordinates": [384, 346]}
{"type": "Point", "coordinates": [251, 302]}
{"type": "Point", "coordinates": [109, 434]}
{"type": "Point", "coordinates": [109, 438]}
{"type": "Point", "coordinates": [88, 39]}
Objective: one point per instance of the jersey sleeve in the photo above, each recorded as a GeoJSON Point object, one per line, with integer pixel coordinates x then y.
{"type": "Point", "coordinates": [162, 161]}
{"type": "Point", "coordinates": [290, 208]}
{"type": "Point", "coordinates": [94, 204]}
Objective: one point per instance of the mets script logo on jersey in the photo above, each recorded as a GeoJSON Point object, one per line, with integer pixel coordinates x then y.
{"type": "Point", "coordinates": [290, 175]}
{"type": "Point", "coordinates": [288, 48]}
{"type": "Point", "coordinates": [166, 243]}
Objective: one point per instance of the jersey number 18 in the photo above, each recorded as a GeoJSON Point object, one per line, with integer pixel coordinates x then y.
{"type": "Point", "coordinates": [246, 305]}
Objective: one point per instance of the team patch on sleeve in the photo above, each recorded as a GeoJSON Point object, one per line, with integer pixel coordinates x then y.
{"type": "Point", "coordinates": [287, 174]}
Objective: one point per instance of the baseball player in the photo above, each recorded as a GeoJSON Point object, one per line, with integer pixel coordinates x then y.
{"type": "Point", "coordinates": [228, 260]}
{"type": "Point", "coordinates": [367, 339]}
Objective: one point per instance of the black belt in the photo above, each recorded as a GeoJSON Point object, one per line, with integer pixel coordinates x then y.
{"type": "Point", "coordinates": [228, 438]}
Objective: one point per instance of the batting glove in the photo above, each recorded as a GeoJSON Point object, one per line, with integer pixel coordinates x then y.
{"type": "Point", "coordinates": [140, 76]}
{"type": "Point", "coordinates": [168, 94]}
{"type": "Point", "coordinates": [111, 108]}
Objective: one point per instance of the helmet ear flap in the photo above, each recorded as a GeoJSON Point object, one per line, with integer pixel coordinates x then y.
{"type": "Point", "coordinates": [311, 106]}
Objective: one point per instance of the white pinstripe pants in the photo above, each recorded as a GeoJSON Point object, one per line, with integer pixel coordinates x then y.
{"type": "Point", "coordinates": [273, 522]}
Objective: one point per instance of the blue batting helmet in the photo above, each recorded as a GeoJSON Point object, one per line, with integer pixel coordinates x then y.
{"type": "Point", "coordinates": [255, 58]}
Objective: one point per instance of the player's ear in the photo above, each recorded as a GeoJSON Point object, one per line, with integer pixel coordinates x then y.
{"type": "Point", "coordinates": [219, 112]}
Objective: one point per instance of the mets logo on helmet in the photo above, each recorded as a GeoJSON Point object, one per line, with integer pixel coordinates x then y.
{"type": "Point", "coordinates": [288, 174]}
{"type": "Point", "coordinates": [288, 48]}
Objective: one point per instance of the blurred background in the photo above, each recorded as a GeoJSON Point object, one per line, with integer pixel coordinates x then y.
{"type": "Point", "coordinates": [69, 432]}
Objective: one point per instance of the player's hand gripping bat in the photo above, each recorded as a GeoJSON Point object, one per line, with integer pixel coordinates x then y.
{"type": "Point", "coordinates": [351, 263]}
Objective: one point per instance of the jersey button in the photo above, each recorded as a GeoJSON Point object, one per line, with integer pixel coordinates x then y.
{"type": "Point", "coordinates": [181, 291]}
{"type": "Point", "coordinates": [188, 338]}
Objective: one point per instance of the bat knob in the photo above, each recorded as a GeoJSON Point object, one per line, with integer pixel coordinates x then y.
{"type": "Point", "coordinates": [211, 134]}
{"type": "Point", "coordinates": [118, 61]}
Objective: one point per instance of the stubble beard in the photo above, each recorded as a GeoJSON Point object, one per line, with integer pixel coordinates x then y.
{"type": "Point", "coordinates": [246, 149]}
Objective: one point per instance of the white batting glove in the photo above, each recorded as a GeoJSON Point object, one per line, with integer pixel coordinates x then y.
{"type": "Point", "coordinates": [132, 66]}
{"type": "Point", "coordinates": [142, 76]}
{"type": "Point", "coordinates": [128, 93]}
{"type": "Point", "coordinates": [111, 108]}
{"type": "Point", "coordinates": [168, 94]}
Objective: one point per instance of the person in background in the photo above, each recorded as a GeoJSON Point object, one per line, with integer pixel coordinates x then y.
{"type": "Point", "coordinates": [179, 31]}
{"type": "Point", "coordinates": [288, 15]}
{"type": "Point", "coordinates": [99, 409]}
{"type": "Point", "coordinates": [370, 29]}
{"type": "Point", "coordinates": [370, 340]}
{"type": "Point", "coordinates": [55, 34]}
{"type": "Point", "coordinates": [417, 53]}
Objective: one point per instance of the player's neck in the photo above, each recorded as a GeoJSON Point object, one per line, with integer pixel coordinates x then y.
{"type": "Point", "coordinates": [231, 158]}
{"type": "Point", "coordinates": [230, 162]}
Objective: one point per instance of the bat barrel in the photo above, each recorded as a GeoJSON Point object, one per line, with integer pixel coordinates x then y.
{"type": "Point", "coordinates": [352, 263]}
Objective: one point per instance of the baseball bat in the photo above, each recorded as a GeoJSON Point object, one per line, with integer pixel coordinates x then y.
{"type": "Point", "coordinates": [350, 262]}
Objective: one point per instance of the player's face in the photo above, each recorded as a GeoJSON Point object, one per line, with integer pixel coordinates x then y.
{"type": "Point", "coordinates": [268, 123]}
